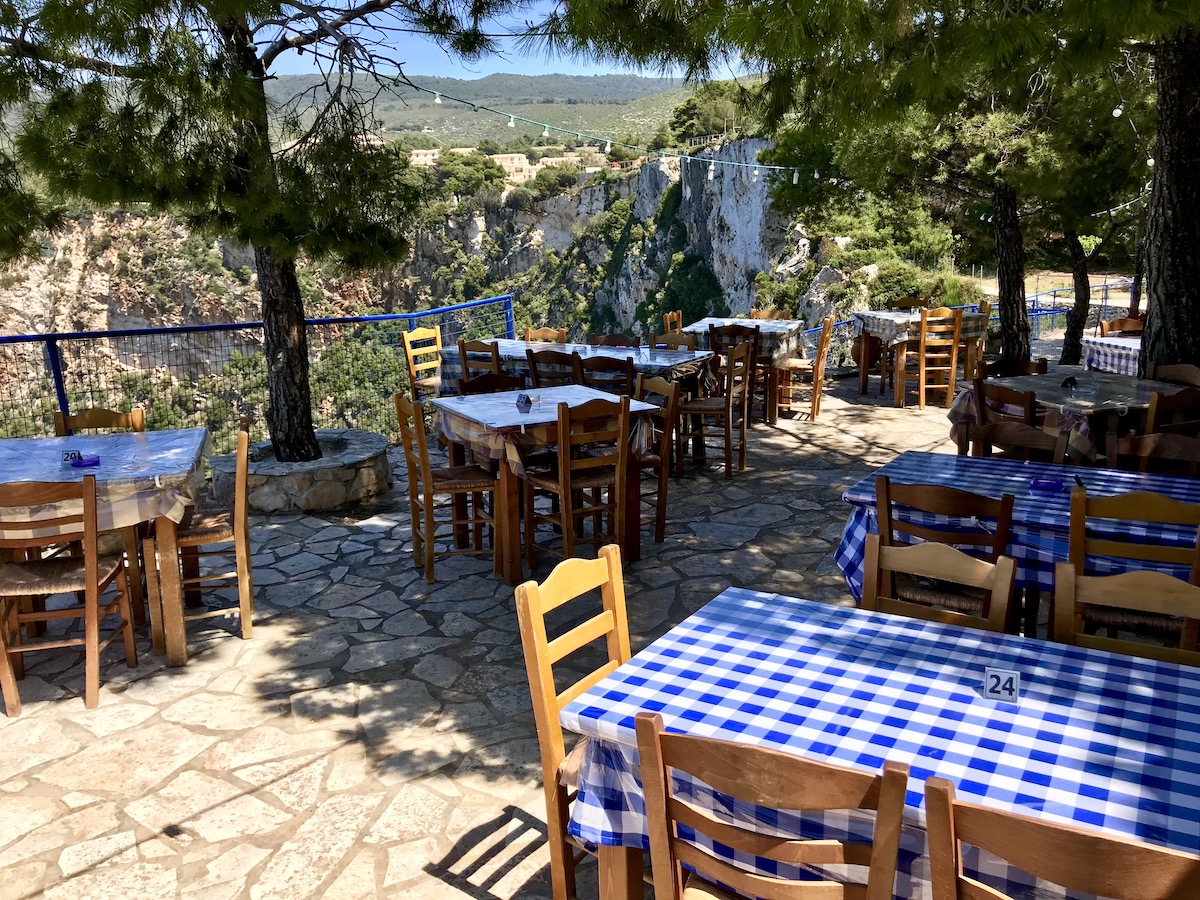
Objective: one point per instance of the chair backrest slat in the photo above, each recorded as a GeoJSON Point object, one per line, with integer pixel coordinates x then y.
{"type": "Point", "coordinates": [606, 373]}
{"type": "Point", "coordinates": [673, 321]}
{"type": "Point", "coordinates": [673, 340]}
{"type": "Point", "coordinates": [1127, 325]}
{"type": "Point", "coordinates": [552, 335]}
{"type": "Point", "coordinates": [1179, 373]}
{"type": "Point", "coordinates": [489, 349]}
{"type": "Point", "coordinates": [491, 383]}
{"type": "Point", "coordinates": [1177, 413]}
{"type": "Point", "coordinates": [614, 340]}
{"type": "Point", "coordinates": [770, 778]}
{"type": "Point", "coordinates": [1079, 860]}
{"type": "Point", "coordinates": [1173, 454]}
{"type": "Point", "coordinates": [551, 368]}
{"type": "Point", "coordinates": [97, 418]}
{"type": "Point", "coordinates": [1018, 440]}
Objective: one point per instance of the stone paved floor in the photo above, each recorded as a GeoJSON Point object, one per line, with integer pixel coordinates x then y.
{"type": "Point", "coordinates": [375, 739]}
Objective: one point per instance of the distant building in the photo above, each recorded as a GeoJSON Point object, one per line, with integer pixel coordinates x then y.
{"type": "Point", "coordinates": [516, 166]}
{"type": "Point", "coordinates": [423, 157]}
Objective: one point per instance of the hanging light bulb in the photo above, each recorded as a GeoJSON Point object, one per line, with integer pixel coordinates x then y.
{"type": "Point", "coordinates": [512, 122]}
{"type": "Point", "coordinates": [608, 146]}
{"type": "Point", "coordinates": [754, 177]}
{"type": "Point", "coordinates": [474, 108]}
{"type": "Point", "coordinates": [712, 170]}
{"type": "Point", "coordinates": [437, 98]}
{"type": "Point", "coordinates": [983, 218]}
{"type": "Point", "coordinates": [545, 131]}
{"type": "Point", "coordinates": [795, 176]}
{"type": "Point", "coordinates": [816, 175]}
{"type": "Point", "coordinates": [1119, 110]}
{"type": "Point", "coordinates": [1150, 162]}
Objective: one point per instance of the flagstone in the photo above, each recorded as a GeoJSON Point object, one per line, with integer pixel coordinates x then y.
{"type": "Point", "coordinates": [113, 850]}
{"type": "Point", "coordinates": [78, 826]}
{"type": "Point", "coordinates": [145, 881]}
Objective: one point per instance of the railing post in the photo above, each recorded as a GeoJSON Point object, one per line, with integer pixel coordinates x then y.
{"type": "Point", "coordinates": [510, 323]}
{"type": "Point", "coordinates": [54, 361]}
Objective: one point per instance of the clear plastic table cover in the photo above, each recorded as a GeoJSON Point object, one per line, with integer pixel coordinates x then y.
{"type": "Point", "coordinates": [139, 477]}
{"type": "Point", "coordinates": [778, 338]}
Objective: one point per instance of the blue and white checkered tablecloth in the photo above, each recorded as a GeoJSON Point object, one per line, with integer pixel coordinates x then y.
{"type": "Point", "coordinates": [1113, 354]}
{"type": "Point", "coordinates": [1097, 740]}
{"type": "Point", "coordinates": [892, 326]}
{"type": "Point", "coordinates": [1040, 524]}
{"type": "Point", "coordinates": [674, 365]}
{"type": "Point", "coordinates": [779, 339]}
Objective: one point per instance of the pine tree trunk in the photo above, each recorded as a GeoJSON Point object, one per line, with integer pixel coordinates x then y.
{"type": "Point", "coordinates": [1010, 274]}
{"type": "Point", "coordinates": [285, 339]}
{"type": "Point", "coordinates": [285, 344]}
{"type": "Point", "coordinates": [1172, 332]}
{"type": "Point", "coordinates": [1072, 352]}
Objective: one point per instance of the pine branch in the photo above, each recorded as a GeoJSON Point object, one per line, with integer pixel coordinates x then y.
{"type": "Point", "coordinates": [20, 49]}
{"type": "Point", "coordinates": [325, 29]}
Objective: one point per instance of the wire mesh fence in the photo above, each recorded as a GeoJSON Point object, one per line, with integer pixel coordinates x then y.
{"type": "Point", "coordinates": [211, 375]}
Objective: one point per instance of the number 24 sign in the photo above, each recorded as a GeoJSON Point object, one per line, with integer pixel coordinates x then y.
{"type": "Point", "coordinates": [1002, 684]}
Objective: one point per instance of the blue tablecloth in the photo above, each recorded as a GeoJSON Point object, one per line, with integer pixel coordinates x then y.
{"type": "Point", "coordinates": [1097, 740]}
{"type": "Point", "coordinates": [1040, 524]}
{"type": "Point", "coordinates": [1113, 354]}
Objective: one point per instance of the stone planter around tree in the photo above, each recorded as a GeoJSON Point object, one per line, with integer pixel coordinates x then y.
{"type": "Point", "coordinates": [353, 467]}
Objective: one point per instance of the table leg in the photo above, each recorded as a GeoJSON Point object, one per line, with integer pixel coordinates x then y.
{"type": "Point", "coordinates": [620, 873]}
{"type": "Point", "coordinates": [900, 372]}
{"type": "Point", "coordinates": [772, 403]}
{"type": "Point", "coordinates": [631, 540]}
{"type": "Point", "coordinates": [864, 364]}
{"type": "Point", "coordinates": [508, 524]}
{"type": "Point", "coordinates": [171, 590]}
{"type": "Point", "coordinates": [457, 454]}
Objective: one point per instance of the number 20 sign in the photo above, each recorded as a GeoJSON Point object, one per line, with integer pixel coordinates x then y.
{"type": "Point", "coordinates": [1002, 684]}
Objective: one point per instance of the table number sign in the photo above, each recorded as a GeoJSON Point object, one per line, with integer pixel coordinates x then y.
{"type": "Point", "coordinates": [1002, 684]}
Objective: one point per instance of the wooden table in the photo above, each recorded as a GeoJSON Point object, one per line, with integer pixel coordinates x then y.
{"type": "Point", "coordinates": [778, 339]}
{"type": "Point", "coordinates": [142, 477]}
{"type": "Point", "coordinates": [1096, 403]}
{"type": "Point", "coordinates": [1095, 740]}
{"type": "Point", "coordinates": [491, 426]}
{"type": "Point", "coordinates": [1113, 354]}
{"type": "Point", "coordinates": [895, 327]}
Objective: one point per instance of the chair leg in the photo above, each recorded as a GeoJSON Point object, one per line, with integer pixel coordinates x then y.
{"type": "Point", "coordinates": [414, 515]}
{"type": "Point", "coordinates": [134, 567]}
{"type": "Point", "coordinates": [91, 653]}
{"type": "Point", "coordinates": [154, 595]}
{"type": "Point", "coordinates": [530, 529]}
{"type": "Point", "coordinates": [123, 607]}
{"type": "Point", "coordinates": [430, 536]}
{"type": "Point", "coordinates": [245, 590]}
{"type": "Point", "coordinates": [660, 524]}
{"type": "Point", "coordinates": [729, 445]}
{"type": "Point", "coordinates": [562, 853]}
{"type": "Point", "coordinates": [8, 678]}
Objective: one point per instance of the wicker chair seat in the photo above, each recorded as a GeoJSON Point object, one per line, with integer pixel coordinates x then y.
{"type": "Point", "coordinates": [463, 478]}
{"type": "Point", "coordinates": [1129, 620]}
{"type": "Point", "coordinates": [707, 406]}
{"type": "Point", "coordinates": [798, 364]}
{"type": "Point", "coordinates": [697, 888]}
{"type": "Point", "coordinates": [944, 594]}
{"type": "Point", "coordinates": [595, 478]}
{"type": "Point", "coordinates": [56, 575]}
{"type": "Point", "coordinates": [431, 384]}
{"type": "Point", "coordinates": [648, 461]}
{"type": "Point", "coordinates": [206, 526]}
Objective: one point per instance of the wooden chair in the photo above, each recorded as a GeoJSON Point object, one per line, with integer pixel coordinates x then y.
{"type": "Point", "coordinates": [593, 463]}
{"type": "Point", "coordinates": [208, 534]}
{"type": "Point", "coordinates": [793, 370]}
{"type": "Point", "coordinates": [570, 580]}
{"type": "Point", "coordinates": [977, 344]}
{"type": "Point", "coordinates": [1010, 368]}
{"type": "Point", "coordinates": [674, 340]}
{"type": "Point", "coordinates": [1123, 326]}
{"type": "Point", "coordinates": [614, 340]}
{"type": "Point", "coordinates": [1016, 440]}
{"type": "Point", "coordinates": [423, 354]}
{"type": "Point", "coordinates": [1130, 510]}
{"type": "Point", "coordinates": [937, 356]}
{"type": "Point", "coordinates": [762, 776]}
{"type": "Point", "coordinates": [721, 338]}
{"type": "Point", "coordinates": [941, 564]}
{"type": "Point", "coordinates": [1082, 861]}
{"type": "Point", "coordinates": [491, 383]}
{"type": "Point", "coordinates": [471, 367]}
{"type": "Point", "coordinates": [426, 484]}
{"type": "Point", "coordinates": [553, 368]}
{"type": "Point", "coordinates": [553, 335]}
{"type": "Point", "coordinates": [98, 419]}
{"type": "Point", "coordinates": [673, 321]}
{"type": "Point", "coordinates": [730, 409]}
{"type": "Point", "coordinates": [664, 395]}
{"type": "Point", "coordinates": [965, 509]}
{"type": "Point", "coordinates": [1180, 373]}
{"type": "Point", "coordinates": [1177, 413]}
{"type": "Point", "coordinates": [774, 314]}
{"type": "Point", "coordinates": [604, 373]}
{"type": "Point", "coordinates": [87, 575]}
{"type": "Point", "coordinates": [995, 403]}
{"type": "Point", "coordinates": [1169, 454]}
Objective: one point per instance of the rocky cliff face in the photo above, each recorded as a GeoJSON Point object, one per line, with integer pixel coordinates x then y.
{"type": "Point", "coordinates": [607, 253]}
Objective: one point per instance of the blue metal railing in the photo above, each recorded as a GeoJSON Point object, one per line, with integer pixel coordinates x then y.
{"type": "Point", "coordinates": [210, 374]}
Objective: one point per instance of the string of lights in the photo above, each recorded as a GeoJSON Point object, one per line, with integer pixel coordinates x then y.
{"type": "Point", "coordinates": [609, 143]}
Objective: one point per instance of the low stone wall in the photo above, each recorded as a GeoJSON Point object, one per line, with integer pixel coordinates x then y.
{"type": "Point", "coordinates": [353, 467]}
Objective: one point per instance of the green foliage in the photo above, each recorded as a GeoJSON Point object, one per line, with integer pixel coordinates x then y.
{"type": "Point", "coordinates": [459, 176]}
{"type": "Point", "coordinates": [554, 180]}
{"type": "Point", "coordinates": [712, 109]}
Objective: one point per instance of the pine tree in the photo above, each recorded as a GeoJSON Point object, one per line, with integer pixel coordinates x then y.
{"type": "Point", "coordinates": [167, 105]}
